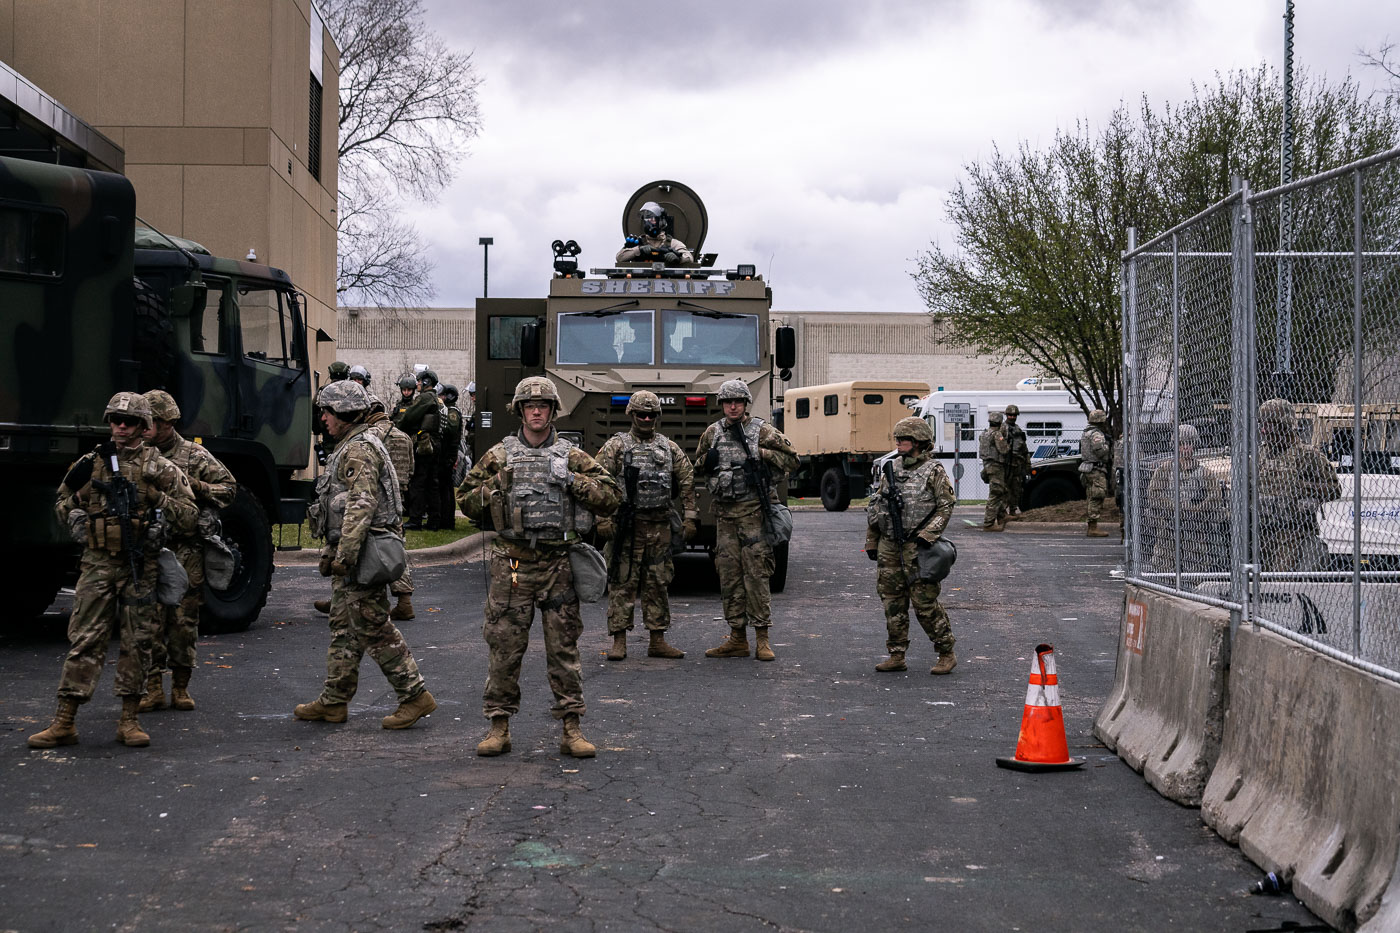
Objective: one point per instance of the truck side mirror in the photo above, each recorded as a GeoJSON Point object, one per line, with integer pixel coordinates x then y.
{"type": "Point", "coordinates": [185, 298]}
{"type": "Point", "coordinates": [785, 347]}
{"type": "Point", "coordinates": [530, 345]}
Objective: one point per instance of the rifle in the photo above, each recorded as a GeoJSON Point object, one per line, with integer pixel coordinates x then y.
{"type": "Point", "coordinates": [895, 501]}
{"type": "Point", "coordinates": [625, 525]}
{"type": "Point", "coordinates": [124, 505]}
{"type": "Point", "coordinates": [756, 475]}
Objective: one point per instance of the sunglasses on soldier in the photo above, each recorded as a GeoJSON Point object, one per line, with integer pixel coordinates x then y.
{"type": "Point", "coordinates": [126, 421]}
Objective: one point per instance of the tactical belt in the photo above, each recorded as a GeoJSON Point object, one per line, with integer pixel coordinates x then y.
{"type": "Point", "coordinates": [746, 540]}
{"type": "Point", "coordinates": [555, 602]}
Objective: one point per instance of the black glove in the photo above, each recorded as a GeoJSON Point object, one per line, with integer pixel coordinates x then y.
{"type": "Point", "coordinates": [79, 474]}
{"type": "Point", "coordinates": [106, 449]}
{"type": "Point", "coordinates": [872, 554]}
{"type": "Point", "coordinates": [671, 256]}
{"type": "Point", "coordinates": [712, 460]}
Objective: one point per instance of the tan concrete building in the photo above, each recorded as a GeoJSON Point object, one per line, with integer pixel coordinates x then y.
{"type": "Point", "coordinates": [227, 113]}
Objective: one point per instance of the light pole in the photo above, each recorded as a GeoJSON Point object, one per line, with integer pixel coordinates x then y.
{"type": "Point", "coordinates": [485, 242]}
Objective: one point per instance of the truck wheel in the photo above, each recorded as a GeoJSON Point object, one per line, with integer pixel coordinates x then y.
{"type": "Point", "coordinates": [778, 580]}
{"type": "Point", "coordinates": [835, 491]}
{"type": "Point", "coordinates": [246, 528]}
{"type": "Point", "coordinates": [1054, 491]}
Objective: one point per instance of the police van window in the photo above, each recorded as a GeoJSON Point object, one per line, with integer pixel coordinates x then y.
{"type": "Point", "coordinates": [623, 337]}
{"type": "Point", "coordinates": [873, 398]}
{"type": "Point", "coordinates": [709, 338]}
{"type": "Point", "coordinates": [830, 405]}
{"type": "Point", "coordinates": [1044, 428]}
{"type": "Point", "coordinates": [906, 399]}
{"type": "Point", "coordinates": [503, 335]}
{"type": "Point", "coordinates": [208, 330]}
{"type": "Point", "coordinates": [31, 242]}
{"type": "Point", "coordinates": [265, 320]}
{"type": "Point", "coordinates": [803, 408]}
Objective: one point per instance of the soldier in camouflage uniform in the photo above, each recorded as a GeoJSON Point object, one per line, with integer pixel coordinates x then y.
{"type": "Point", "coordinates": [1018, 461]}
{"type": "Point", "coordinates": [452, 426]}
{"type": "Point", "coordinates": [1294, 480]}
{"type": "Point", "coordinates": [423, 422]}
{"type": "Point", "coordinates": [116, 586]}
{"type": "Point", "coordinates": [530, 489]}
{"type": "Point", "coordinates": [925, 504]}
{"type": "Point", "coordinates": [1096, 452]}
{"type": "Point", "coordinates": [324, 442]}
{"type": "Point", "coordinates": [1204, 515]}
{"type": "Point", "coordinates": [359, 493]}
{"type": "Point", "coordinates": [652, 470]}
{"type": "Point", "coordinates": [994, 450]}
{"type": "Point", "coordinates": [214, 487]}
{"type": "Point", "coordinates": [401, 458]}
{"type": "Point", "coordinates": [743, 556]}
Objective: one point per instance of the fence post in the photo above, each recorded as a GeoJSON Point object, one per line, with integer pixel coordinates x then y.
{"type": "Point", "coordinates": [1242, 398]}
{"type": "Point", "coordinates": [1128, 326]}
{"type": "Point", "coordinates": [1357, 445]}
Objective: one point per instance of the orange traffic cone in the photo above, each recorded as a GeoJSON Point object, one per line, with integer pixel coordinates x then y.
{"type": "Point", "coordinates": [1041, 745]}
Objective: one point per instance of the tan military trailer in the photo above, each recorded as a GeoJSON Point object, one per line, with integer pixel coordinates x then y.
{"type": "Point", "coordinates": [678, 329]}
{"type": "Point", "coordinates": [838, 430]}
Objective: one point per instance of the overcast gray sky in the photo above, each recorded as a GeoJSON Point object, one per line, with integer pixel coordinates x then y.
{"type": "Point", "coordinates": [823, 136]}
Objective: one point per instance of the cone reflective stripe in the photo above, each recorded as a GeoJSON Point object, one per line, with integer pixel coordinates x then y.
{"type": "Point", "coordinates": [1041, 746]}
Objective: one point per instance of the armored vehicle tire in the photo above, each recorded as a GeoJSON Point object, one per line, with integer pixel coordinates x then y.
{"type": "Point", "coordinates": [1053, 491]}
{"type": "Point", "coordinates": [247, 529]}
{"type": "Point", "coordinates": [778, 580]}
{"type": "Point", "coordinates": [835, 490]}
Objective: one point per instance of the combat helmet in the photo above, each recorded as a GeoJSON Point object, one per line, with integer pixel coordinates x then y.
{"type": "Point", "coordinates": [994, 417]}
{"type": "Point", "coordinates": [130, 405]}
{"type": "Point", "coordinates": [448, 392]}
{"type": "Point", "coordinates": [644, 400]}
{"type": "Point", "coordinates": [359, 373]}
{"type": "Point", "coordinates": [734, 390]}
{"type": "Point", "coordinates": [345, 397]}
{"type": "Point", "coordinates": [534, 389]}
{"type": "Point", "coordinates": [163, 406]}
{"type": "Point", "coordinates": [338, 370]}
{"type": "Point", "coordinates": [407, 381]}
{"type": "Point", "coordinates": [428, 378]}
{"type": "Point", "coordinates": [375, 404]}
{"type": "Point", "coordinates": [1099, 416]}
{"type": "Point", "coordinates": [1278, 413]}
{"type": "Point", "coordinates": [1012, 410]}
{"type": "Point", "coordinates": [915, 429]}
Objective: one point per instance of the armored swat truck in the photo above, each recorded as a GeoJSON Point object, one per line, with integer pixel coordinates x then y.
{"type": "Point", "coordinates": [677, 328]}
{"type": "Point", "coordinates": [92, 305]}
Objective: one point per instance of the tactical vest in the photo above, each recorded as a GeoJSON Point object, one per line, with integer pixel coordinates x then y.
{"type": "Point", "coordinates": [728, 481]}
{"type": "Point", "coordinates": [332, 493]}
{"type": "Point", "coordinates": [919, 500]}
{"type": "Point", "coordinates": [1094, 448]}
{"type": "Point", "coordinates": [987, 448]}
{"type": "Point", "coordinates": [538, 502]}
{"type": "Point", "coordinates": [104, 532]}
{"type": "Point", "coordinates": [399, 446]}
{"type": "Point", "coordinates": [653, 462]}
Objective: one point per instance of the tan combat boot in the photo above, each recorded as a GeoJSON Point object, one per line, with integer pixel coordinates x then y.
{"type": "Point", "coordinates": [497, 741]}
{"type": "Point", "coordinates": [1093, 531]}
{"type": "Point", "coordinates": [735, 646]}
{"type": "Point", "coordinates": [403, 609]}
{"type": "Point", "coordinates": [155, 694]}
{"type": "Point", "coordinates": [618, 651]}
{"type": "Point", "coordinates": [323, 606]}
{"type": "Point", "coordinates": [316, 711]}
{"type": "Point", "coordinates": [129, 731]}
{"type": "Point", "coordinates": [410, 711]}
{"type": "Point", "coordinates": [61, 731]}
{"type": "Point", "coordinates": [946, 662]}
{"type": "Point", "coordinates": [660, 649]}
{"type": "Point", "coordinates": [895, 663]}
{"type": "Point", "coordinates": [994, 526]}
{"type": "Point", "coordinates": [573, 742]}
{"type": "Point", "coordinates": [762, 651]}
{"type": "Point", "coordinates": [180, 689]}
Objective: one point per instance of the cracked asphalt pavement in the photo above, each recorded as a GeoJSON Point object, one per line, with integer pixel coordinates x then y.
{"type": "Point", "coordinates": [811, 793]}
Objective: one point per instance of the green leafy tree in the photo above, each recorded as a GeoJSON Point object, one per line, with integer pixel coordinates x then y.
{"type": "Point", "coordinates": [1035, 274]}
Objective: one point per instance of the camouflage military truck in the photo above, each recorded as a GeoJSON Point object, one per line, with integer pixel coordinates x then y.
{"type": "Point", "coordinates": [93, 304]}
{"type": "Point", "coordinates": [678, 330]}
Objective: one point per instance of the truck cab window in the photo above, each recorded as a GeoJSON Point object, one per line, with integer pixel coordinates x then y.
{"type": "Point", "coordinates": [264, 316]}
{"type": "Point", "coordinates": [503, 335]}
{"type": "Point", "coordinates": [208, 323]}
{"type": "Point", "coordinates": [709, 339]}
{"type": "Point", "coordinates": [624, 337]}
{"type": "Point", "coordinates": [31, 242]}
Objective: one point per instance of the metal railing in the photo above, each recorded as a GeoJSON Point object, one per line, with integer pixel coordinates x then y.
{"type": "Point", "coordinates": [1262, 410]}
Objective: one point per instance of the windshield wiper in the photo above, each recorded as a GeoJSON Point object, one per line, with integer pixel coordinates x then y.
{"type": "Point", "coordinates": [610, 310]}
{"type": "Point", "coordinates": [706, 312]}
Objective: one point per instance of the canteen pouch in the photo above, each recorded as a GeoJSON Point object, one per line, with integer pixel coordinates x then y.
{"type": "Point", "coordinates": [171, 580]}
{"type": "Point", "coordinates": [220, 563]}
{"type": "Point", "coordinates": [590, 572]}
{"type": "Point", "coordinates": [383, 558]}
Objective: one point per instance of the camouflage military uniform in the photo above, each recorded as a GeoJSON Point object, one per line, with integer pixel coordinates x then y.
{"type": "Point", "coordinates": [1203, 516]}
{"type": "Point", "coordinates": [530, 562]}
{"type": "Point", "coordinates": [994, 451]}
{"type": "Point", "coordinates": [928, 501]}
{"type": "Point", "coordinates": [214, 488]}
{"type": "Point", "coordinates": [1294, 481]}
{"type": "Point", "coordinates": [643, 563]}
{"type": "Point", "coordinates": [107, 593]}
{"type": "Point", "coordinates": [743, 556]}
{"type": "Point", "coordinates": [1018, 464]}
{"type": "Point", "coordinates": [360, 482]}
{"type": "Point", "coordinates": [1097, 452]}
{"type": "Point", "coordinates": [422, 422]}
{"type": "Point", "coordinates": [400, 450]}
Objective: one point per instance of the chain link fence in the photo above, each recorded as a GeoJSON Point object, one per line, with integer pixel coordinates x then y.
{"type": "Point", "coordinates": [1261, 451]}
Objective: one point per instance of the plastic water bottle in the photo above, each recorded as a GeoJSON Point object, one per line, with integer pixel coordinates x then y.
{"type": "Point", "coordinates": [1269, 884]}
